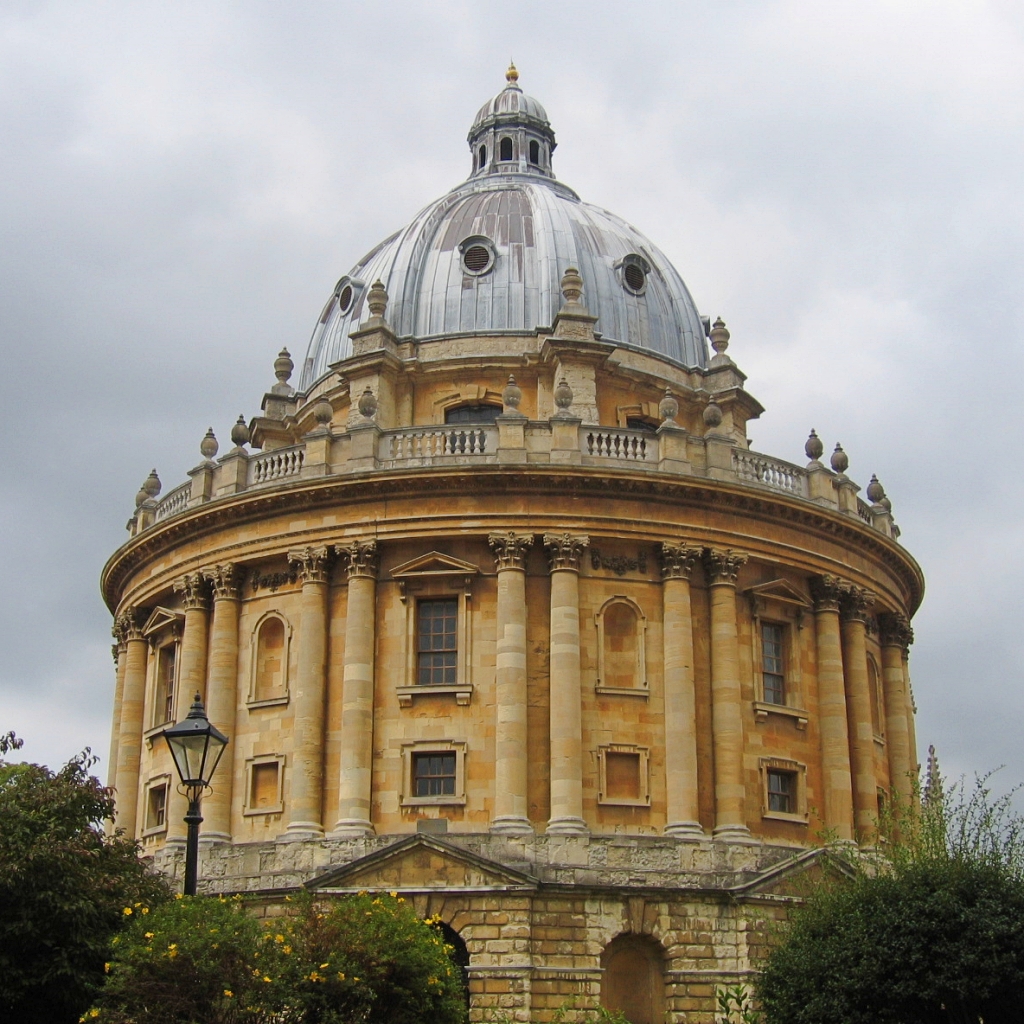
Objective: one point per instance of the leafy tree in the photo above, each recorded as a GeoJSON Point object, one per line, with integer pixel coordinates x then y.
{"type": "Point", "coordinates": [929, 932]}
{"type": "Point", "coordinates": [64, 887]}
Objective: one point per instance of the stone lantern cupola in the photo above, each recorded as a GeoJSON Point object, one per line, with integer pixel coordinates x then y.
{"type": "Point", "coordinates": [511, 134]}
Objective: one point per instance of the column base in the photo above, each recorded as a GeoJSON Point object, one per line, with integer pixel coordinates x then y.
{"type": "Point", "coordinates": [214, 838]}
{"type": "Point", "coordinates": [690, 831]}
{"type": "Point", "coordinates": [351, 828]}
{"type": "Point", "coordinates": [733, 834]}
{"type": "Point", "coordinates": [567, 826]}
{"type": "Point", "coordinates": [297, 831]}
{"type": "Point", "coordinates": [511, 825]}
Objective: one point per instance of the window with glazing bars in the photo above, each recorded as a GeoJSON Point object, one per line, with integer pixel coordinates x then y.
{"type": "Point", "coordinates": [163, 710]}
{"type": "Point", "coordinates": [433, 774]}
{"type": "Point", "coordinates": [781, 791]}
{"type": "Point", "coordinates": [437, 649]}
{"type": "Point", "coordinates": [773, 663]}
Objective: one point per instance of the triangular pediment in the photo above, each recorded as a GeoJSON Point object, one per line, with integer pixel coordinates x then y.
{"type": "Point", "coordinates": [779, 590]}
{"type": "Point", "coordinates": [434, 564]}
{"type": "Point", "coordinates": [421, 862]}
{"type": "Point", "coordinates": [161, 619]}
{"type": "Point", "coordinates": [796, 876]}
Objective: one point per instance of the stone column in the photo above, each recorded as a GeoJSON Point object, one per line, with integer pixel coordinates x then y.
{"type": "Point", "coordinates": [354, 789]}
{"type": "Point", "coordinates": [677, 562]}
{"type": "Point", "coordinates": [896, 637]}
{"type": "Point", "coordinates": [307, 773]}
{"type": "Point", "coordinates": [222, 694]}
{"type": "Point", "coordinates": [129, 741]}
{"type": "Point", "coordinates": [837, 796]}
{"type": "Point", "coordinates": [564, 553]}
{"type": "Point", "coordinates": [722, 568]}
{"type": "Point", "coordinates": [119, 651]}
{"type": "Point", "coordinates": [195, 601]}
{"type": "Point", "coordinates": [511, 808]}
{"type": "Point", "coordinates": [915, 764]}
{"type": "Point", "coordinates": [853, 610]}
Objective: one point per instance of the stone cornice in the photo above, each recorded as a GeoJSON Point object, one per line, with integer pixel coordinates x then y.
{"type": "Point", "coordinates": [691, 492]}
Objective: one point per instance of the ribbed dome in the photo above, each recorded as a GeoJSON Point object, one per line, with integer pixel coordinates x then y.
{"type": "Point", "coordinates": [488, 257]}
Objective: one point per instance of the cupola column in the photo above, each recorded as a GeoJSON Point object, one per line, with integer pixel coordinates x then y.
{"type": "Point", "coordinates": [853, 609]}
{"type": "Point", "coordinates": [896, 638]}
{"type": "Point", "coordinates": [722, 568]}
{"type": "Point", "coordinates": [354, 790]}
{"type": "Point", "coordinates": [195, 601]}
{"type": "Point", "coordinates": [835, 743]}
{"type": "Point", "coordinates": [129, 743]}
{"type": "Point", "coordinates": [305, 816]}
{"type": "Point", "coordinates": [564, 553]}
{"type": "Point", "coordinates": [677, 562]}
{"type": "Point", "coordinates": [222, 694]}
{"type": "Point", "coordinates": [511, 807]}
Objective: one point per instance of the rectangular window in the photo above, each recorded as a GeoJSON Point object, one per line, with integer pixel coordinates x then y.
{"type": "Point", "coordinates": [773, 663]}
{"type": "Point", "coordinates": [156, 807]}
{"type": "Point", "coordinates": [433, 774]}
{"type": "Point", "coordinates": [622, 776]}
{"type": "Point", "coordinates": [163, 708]}
{"type": "Point", "coordinates": [781, 791]}
{"type": "Point", "coordinates": [437, 648]}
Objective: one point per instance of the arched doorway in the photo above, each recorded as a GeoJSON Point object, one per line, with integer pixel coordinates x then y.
{"type": "Point", "coordinates": [459, 954]}
{"type": "Point", "coordinates": [633, 979]}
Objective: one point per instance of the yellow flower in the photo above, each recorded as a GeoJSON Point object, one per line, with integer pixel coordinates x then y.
{"type": "Point", "coordinates": [106, 968]}
{"type": "Point", "coordinates": [94, 1012]}
{"type": "Point", "coordinates": [229, 993]}
{"type": "Point", "coordinates": [279, 938]}
{"type": "Point", "coordinates": [393, 894]}
{"type": "Point", "coordinates": [265, 978]}
{"type": "Point", "coordinates": [145, 910]}
{"type": "Point", "coordinates": [127, 911]}
{"type": "Point", "coordinates": [322, 966]}
{"type": "Point", "coordinates": [148, 935]}
{"type": "Point", "coordinates": [287, 949]}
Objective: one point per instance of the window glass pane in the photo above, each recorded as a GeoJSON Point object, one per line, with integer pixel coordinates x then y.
{"type": "Point", "coordinates": [772, 663]}
{"type": "Point", "coordinates": [437, 661]}
{"type": "Point", "coordinates": [164, 705]}
{"type": "Point", "coordinates": [433, 774]}
{"type": "Point", "coordinates": [156, 809]}
{"type": "Point", "coordinates": [473, 414]}
{"type": "Point", "coordinates": [781, 791]}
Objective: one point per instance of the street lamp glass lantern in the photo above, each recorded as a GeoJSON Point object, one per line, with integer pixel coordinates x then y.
{"type": "Point", "coordinates": [196, 747]}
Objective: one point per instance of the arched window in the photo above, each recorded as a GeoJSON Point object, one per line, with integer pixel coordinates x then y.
{"type": "Point", "coordinates": [621, 660]}
{"type": "Point", "coordinates": [634, 980]}
{"type": "Point", "coordinates": [457, 953]}
{"type": "Point", "coordinates": [506, 149]}
{"type": "Point", "coordinates": [482, 157]}
{"type": "Point", "coordinates": [534, 151]}
{"type": "Point", "coordinates": [270, 660]}
{"type": "Point", "coordinates": [472, 414]}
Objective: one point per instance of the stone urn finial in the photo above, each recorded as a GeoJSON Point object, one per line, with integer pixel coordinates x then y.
{"type": "Point", "coordinates": [323, 411]}
{"type": "Point", "coordinates": [512, 394]}
{"type": "Point", "coordinates": [367, 404]}
{"type": "Point", "coordinates": [840, 461]}
{"type": "Point", "coordinates": [377, 299]}
{"type": "Point", "coordinates": [668, 407]}
{"type": "Point", "coordinates": [283, 366]}
{"type": "Point", "coordinates": [813, 448]}
{"type": "Point", "coordinates": [875, 491]}
{"type": "Point", "coordinates": [712, 414]}
{"type": "Point", "coordinates": [209, 447]}
{"type": "Point", "coordinates": [240, 433]}
{"type": "Point", "coordinates": [572, 286]}
{"type": "Point", "coordinates": [719, 337]}
{"type": "Point", "coordinates": [563, 398]}
{"type": "Point", "coordinates": [150, 488]}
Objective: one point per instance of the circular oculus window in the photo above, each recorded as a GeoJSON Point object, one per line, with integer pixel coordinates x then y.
{"type": "Point", "coordinates": [477, 257]}
{"type": "Point", "coordinates": [345, 298]}
{"type": "Point", "coordinates": [634, 276]}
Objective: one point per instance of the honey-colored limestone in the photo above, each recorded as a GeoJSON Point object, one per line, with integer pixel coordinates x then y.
{"type": "Point", "coordinates": [513, 620]}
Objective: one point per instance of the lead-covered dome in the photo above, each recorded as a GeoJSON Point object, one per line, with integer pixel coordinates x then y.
{"type": "Point", "coordinates": [488, 257]}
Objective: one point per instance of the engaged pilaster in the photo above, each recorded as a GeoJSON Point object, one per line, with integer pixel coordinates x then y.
{"type": "Point", "coordinates": [354, 790]}
{"type": "Point", "coordinates": [835, 743]}
{"type": "Point", "coordinates": [129, 744]}
{"type": "Point", "coordinates": [677, 564]}
{"type": "Point", "coordinates": [305, 816]}
{"type": "Point", "coordinates": [897, 636]}
{"type": "Point", "coordinates": [722, 567]}
{"type": "Point", "coordinates": [510, 764]}
{"type": "Point", "coordinates": [221, 693]}
{"type": "Point", "coordinates": [854, 607]}
{"type": "Point", "coordinates": [564, 553]}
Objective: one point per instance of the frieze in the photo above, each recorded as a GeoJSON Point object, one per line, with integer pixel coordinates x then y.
{"type": "Point", "coordinates": [272, 581]}
{"type": "Point", "coordinates": [618, 564]}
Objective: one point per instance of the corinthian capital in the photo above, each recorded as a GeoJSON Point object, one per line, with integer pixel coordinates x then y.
{"type": "Point", "coordinates": [360, 558]}
{"type": "Point", "coordinates": [225, 579]}
{"type": "Point", "coordinates": [128, 626]}
{"type": "Point", "coordinates": [677, 561]}
{"type": "Point", "coordinates": [565, 550]}
{"type": "Point", "coordinates": [855, 604]}
{"type": "Point", "coordinates": [827, 592]}
{"type": "Point", "coordinates": [193, 590]}
{"type": "Point", "coordinates": [895, 629]}
{"type": "Point", "coordinates": [310, 563]}
{"type": "Point", "coordinates": [510, 549]}
{"type": "Point", "coordinates": [723, 565]}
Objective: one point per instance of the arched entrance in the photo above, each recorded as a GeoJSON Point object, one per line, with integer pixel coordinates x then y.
{"type": "Point", "coordinates": [459, 954]}
{"type": "Point", "coordinates": [633, 979]}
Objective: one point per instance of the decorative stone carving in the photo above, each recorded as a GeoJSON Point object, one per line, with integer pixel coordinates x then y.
{"type": "Point", "coordinates": [367, 403]}
{"type": "Point", "coordinates": [209, 447]}
{"type": "Point", "coordinates": [283, 367]}
{"type": "Point", "coordinates": [813, 448]}
{"type": "Point", "coordinates": [856, 603]}
{"type": "Point", "coordinates": [565, 550]}
{"type": "Point", "coordinates": [272, 581]}
{"type": "Point", "coordinates": [712, 414]}
{"type": "Point", "coordinates": [840, 461]}
{"type": "Point", "coordinates": [563, 398]}
{"type": "Point", "coordinates": [360, 558]}
{"type": "Point", "coordinates": [827, 591]}
{"type": "Point", "coordinates": [511, 396]}
{"type": "Point", "coordinates": [895, 630]}
{"type": "Point", "coordinates": [668, 407]}
{"type": "Point", "coordinates": [678, 560]}
{"type": "Point", "coordinates": [723, 565]}
{"type": "Point", "coordinates": [510, 549]}
{"type": "Point", "coordinates": [719, 337]}
{"type": "Point", "coordinates": [618, 564]}
{"type": "Point", "coordinates": [149, 490]}
{"type": "Point", "coordinates": [377, 299]}
{"type": "Point", "coordinates": [129, 625]}
{"type": "Point", "coordinates": [225, 579]}
{"type": "Point", "coordinates": [240, 433]}
{"type": "Point", "coordinates": [875, 491]}
{"type": "Point", "coordinates": [194, 591]}
{"type": "Point", "coordinates": [572, 286]}
{"type": "Point", "coordinates": [311, 563]}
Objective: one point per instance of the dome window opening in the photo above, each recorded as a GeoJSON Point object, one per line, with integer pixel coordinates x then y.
{"type": "Point", "coordinates": [477, 256]}
{"type": "Point", "coordinates": [534, 152]}
{"type": "Point", "coordinates": [345, 298]}
{"type": "Point", "coordinates": [482, 158]}
{"type": "Point", "coordinates": [472, 414]}
{"type": "Point", "coordinates": [505, 153]}
{"type": "Point", "coordinates": [635, 271]}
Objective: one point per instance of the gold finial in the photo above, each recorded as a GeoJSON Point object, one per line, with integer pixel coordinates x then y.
{"type": "Point", "coordinates": [511, 76]}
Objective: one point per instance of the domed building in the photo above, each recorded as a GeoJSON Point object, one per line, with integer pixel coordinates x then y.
{"type": "Point", "coordinates": [499, 609]}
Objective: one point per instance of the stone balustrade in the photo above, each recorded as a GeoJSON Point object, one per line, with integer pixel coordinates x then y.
{"type": "Point", "coordinates": [272, 467]}
{"type": "Point", "coordinates": [173, 502]}
{"type": "Point", "coordinates": [630, 445]}
{"type": "Point", "coordinates": [423, 446]}
{"type": "Point", "coordinates": [763, 470]}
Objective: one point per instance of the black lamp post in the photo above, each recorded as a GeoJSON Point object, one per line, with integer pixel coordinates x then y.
{"type": "Point", "coordinates": [196, 747]}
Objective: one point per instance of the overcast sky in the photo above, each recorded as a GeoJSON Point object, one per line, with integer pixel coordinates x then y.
{"type": "Point", "coordinates": [182, 184]}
